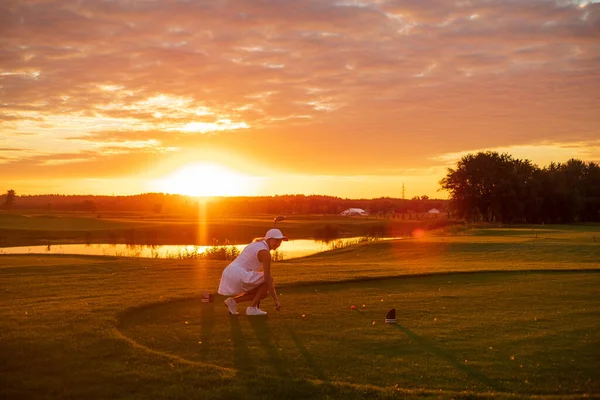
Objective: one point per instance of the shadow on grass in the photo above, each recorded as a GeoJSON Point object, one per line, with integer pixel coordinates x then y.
{"type": "Point", "coordinates": [261, 328]}
{"type": "Point", "coordinates": [207, 325]}
{"type": "Point", "coordinates": [306, 354]}
{"type": "Point", "coordinates": [242, 360]}
{"type": "Point", "coordinates": [449, 357]}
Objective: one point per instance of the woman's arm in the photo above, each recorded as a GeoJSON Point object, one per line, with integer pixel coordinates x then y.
{"type": "Point", "coordinates": [265, 257]}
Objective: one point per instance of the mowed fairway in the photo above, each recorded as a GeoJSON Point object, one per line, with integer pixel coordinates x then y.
{"type": "Point", "coordinates": [479, 333]}
{"type": "Point", "coordinates": [492, 315]}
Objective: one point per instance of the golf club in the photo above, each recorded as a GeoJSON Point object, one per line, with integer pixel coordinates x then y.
{"type": "Point", "coordinates": [277, 219]}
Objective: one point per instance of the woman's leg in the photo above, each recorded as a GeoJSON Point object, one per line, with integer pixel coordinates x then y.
{"type": "Point", "coordinates": [255, 295]}
{"type": "Point", "coordinates": [261, 293]}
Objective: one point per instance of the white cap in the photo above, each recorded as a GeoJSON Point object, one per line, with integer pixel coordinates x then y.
{"type": "Point", "coordinates": [275, 234]}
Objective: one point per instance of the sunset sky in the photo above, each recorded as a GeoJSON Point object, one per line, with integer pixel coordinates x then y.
{"type": "Point", "coordinates": [344, 98]}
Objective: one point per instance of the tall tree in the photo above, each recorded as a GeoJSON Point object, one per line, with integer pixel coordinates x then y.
{"type": "Point", "coordinates": [570, 192]}
{"type": "Point", "coordinates": [9, 201]}
{"type": "Point", "coordinates": [591, 182]}
{"type": "Point", "coordinates": [471, 183]}
{"type": "Point", "coordinates": [489, 186]}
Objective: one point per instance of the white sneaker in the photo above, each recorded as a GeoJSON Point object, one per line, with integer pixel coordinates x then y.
{"type": "Point", "coordinates": [255, 311]}
{"type": "Point", "coordinates": [231, 305]}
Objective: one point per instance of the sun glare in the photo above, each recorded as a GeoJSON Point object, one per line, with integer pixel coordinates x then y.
{"type": "Point", "coordinates": [205, 180]}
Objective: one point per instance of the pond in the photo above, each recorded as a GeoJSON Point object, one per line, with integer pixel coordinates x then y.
{"type": "Point", "coordinates": [290, 249]}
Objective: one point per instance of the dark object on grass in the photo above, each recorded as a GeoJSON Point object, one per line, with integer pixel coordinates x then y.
{"type": "Point", "coordinates": [390, 317]}
{"type": "Point", "coordinates": [206, 297]}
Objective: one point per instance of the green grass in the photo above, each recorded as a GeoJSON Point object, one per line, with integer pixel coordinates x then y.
{"type": "Point", "coordinates": [479, 316]}
{"type": "Point", "coordinates": [451, 335]}
{"type": "Point", "coordinates": [62, 222]}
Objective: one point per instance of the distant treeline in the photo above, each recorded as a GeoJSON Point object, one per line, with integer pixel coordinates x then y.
{"type": "Point", "coordinates": [496, 187]}
{"type": "Point", "coordinates": [160, 203]}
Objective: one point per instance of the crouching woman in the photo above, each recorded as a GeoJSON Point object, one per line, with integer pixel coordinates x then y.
{"type": "Point", "coordinates": [248, 277]}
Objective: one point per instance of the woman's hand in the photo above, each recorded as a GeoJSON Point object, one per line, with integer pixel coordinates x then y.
{"type": "Point", "coordinates": [277, 305]}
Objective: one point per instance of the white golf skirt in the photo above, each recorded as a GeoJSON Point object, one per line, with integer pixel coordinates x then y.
{"type": "Point", "coordinates": [236, 280]}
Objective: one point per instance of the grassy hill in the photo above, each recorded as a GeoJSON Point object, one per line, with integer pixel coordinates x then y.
{"type": "Point", "coordinates": [489, 313]}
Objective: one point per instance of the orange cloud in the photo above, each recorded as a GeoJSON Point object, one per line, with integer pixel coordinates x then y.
{"type": "Point", "coordinates": [329, 87]}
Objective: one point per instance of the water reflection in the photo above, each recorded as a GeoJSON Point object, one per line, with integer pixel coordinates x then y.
{"type": "Point", "coordinates": [290, 249]}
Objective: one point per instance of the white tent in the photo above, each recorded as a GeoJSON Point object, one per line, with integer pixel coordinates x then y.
{"type": "Point", "coordinates": [354, 211]}
{"type": "Point", "coordinates": [434, 211]}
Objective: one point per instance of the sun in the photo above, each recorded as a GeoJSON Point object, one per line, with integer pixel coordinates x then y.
{"type": "Point", "coordinates": [206, 180]}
